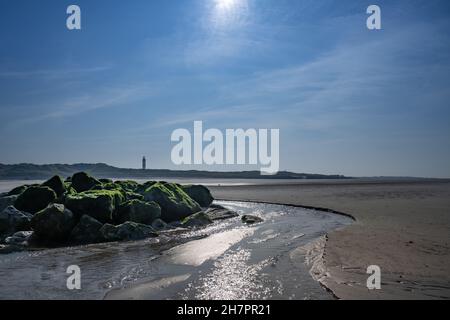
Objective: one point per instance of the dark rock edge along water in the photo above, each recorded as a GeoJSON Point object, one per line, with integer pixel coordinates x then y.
{"type": "Point", "coordinates": [84, 210]}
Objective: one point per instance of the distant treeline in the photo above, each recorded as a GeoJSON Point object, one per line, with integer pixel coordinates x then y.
{"type": "Point", "coordinates": [101, 170]}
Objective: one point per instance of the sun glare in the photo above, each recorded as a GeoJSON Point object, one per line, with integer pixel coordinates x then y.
{"type": "Point", "coordinates": [226, 4]}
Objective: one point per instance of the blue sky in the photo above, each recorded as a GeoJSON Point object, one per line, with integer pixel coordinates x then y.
{"type": "Point", "coordinates": [346, 100]}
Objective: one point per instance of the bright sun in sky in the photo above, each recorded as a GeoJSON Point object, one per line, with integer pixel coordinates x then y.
{"type": "Point", "coordinates": [226, 4]}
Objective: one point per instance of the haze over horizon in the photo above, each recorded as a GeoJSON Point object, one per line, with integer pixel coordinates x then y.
{"type": "Point", "coordinates": [346, 100]}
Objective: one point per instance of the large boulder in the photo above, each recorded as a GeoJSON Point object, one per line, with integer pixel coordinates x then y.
{"type": "Point", "coordinates": [81, 182]}
{"type": "Point", "coordinates": [35, 199]}
{"type": "Point", "coordinates": [87, 231]}
{"type": "Point", "coordinates": [53, 224]}
{"type": "Point", "coordinates": [99, 204]}
{"type": "Point", "coordinates": [13, 220]}
{"type": "Point", "coordinates": [200, 194]}
{"type": "Point", "coordinates": [174, 202]}
{"type": "Point", "coordinates": [127, 231]}
{"type": "Point", "coordinates": [199, 219]}
{"type": "Point", "coordinates": [7, 201]}
{"type": "Point", "coordinates": [56, 184]}
{"type": "Point", "coordinates": [217, 212]}
{"type": "Point", "coordinates": [138, 211]}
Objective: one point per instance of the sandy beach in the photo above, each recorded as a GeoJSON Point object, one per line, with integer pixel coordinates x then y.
{"type": "Point", "coordinates": [401, 226]}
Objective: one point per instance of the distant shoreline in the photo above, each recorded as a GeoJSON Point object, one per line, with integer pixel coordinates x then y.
{"type": "Point", "coordinates": [34, 172]}
{"type": "Point", "coordinates": [42, 172]}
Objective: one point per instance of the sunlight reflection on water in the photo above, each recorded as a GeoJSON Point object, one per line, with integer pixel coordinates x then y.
{"type": "Point", "coordinates": [234, 278]}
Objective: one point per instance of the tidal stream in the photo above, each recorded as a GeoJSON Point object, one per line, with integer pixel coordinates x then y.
{"type": "Point", "coordinates": [226, 260]}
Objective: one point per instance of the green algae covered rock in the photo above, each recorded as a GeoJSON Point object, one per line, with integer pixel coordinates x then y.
{"type": "Point", "coordinates": [127, 231]}
{"type": "Point", "coordinates": [200, 194]}
{"type": "Point", "coordinates": [138, 211]}
{"type": "Point", "coordinates": [174, 202]}
{"type": "Point", "coordinates": [81, 182]}
{"type": "Point", "coordinates": [99, 204]}
{"type": "Point", "coordinates": [53, 224]}
{"type": "Point", "coordinates": [114, 186]}
{"type": "Point", "coordinates": [35, 199]}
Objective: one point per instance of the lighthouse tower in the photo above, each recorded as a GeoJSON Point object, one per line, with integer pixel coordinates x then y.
{"type": "Point", "coordinates": [144, 163]}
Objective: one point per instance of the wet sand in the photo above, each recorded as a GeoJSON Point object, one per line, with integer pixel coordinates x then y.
{"type": "Point", "coordinates": [403, 227]}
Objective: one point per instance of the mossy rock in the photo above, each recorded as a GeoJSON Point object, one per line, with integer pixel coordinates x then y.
{"type": "Point", "coordinates": [103, 180]}
{"type": "Point", "coordinates": [87, 231]}
{"type": "Point", "coordinates": [138, 211]}
{"type": "Point", "coordinates": [81, 182]}
{"type": "Point", "coordinates": [56, 184]}
{"type": "Point", "coordinates": [68, 185]}
{"type": "Point", "coordinates": [68, 191]}
{"type": "Point", "coordinates": [174, 202]}
{"type": "Point", "coordinates": [112, 186]}
{"type": "Point", "coordinates": [199, 193]}
{"type": "Point", "coordinates": [99, 204]}
{"type": "Point", "coordinates": [18, 190]}
{"type": "Point", "coordinates": [53, 224]}
{"type": "Point", "coordinates": [35, 199]}
{"type": "Point", "coordinates": [127, 231]}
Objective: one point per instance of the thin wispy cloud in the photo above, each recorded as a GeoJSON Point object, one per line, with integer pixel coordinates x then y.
{"type": "Point", "coordinates": [352, 77]}
{"type": "Point", "coordinates": [86, 102]}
